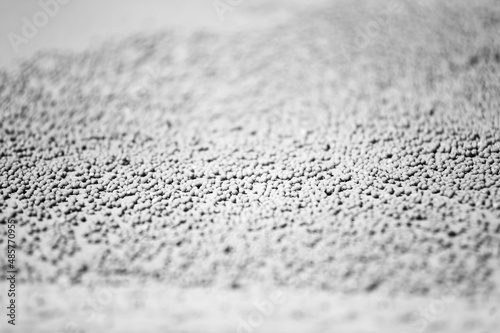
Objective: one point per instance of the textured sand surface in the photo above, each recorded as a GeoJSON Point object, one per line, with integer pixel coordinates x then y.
{"type": "Point", "coordinates": [170, 180]}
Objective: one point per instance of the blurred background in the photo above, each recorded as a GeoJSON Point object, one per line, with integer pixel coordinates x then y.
{"type": "Point", "coordinates": [79, 24]}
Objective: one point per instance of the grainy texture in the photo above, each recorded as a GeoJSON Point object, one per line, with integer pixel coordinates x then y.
{"type": "Point", "coordinates": [281, 157]}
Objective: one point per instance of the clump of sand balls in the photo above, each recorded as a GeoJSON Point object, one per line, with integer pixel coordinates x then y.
{"type": "Point", "coordinates": [258, 157]}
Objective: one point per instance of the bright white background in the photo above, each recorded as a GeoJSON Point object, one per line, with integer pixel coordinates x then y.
{"type": "Point", "coordinates": [83, 23]}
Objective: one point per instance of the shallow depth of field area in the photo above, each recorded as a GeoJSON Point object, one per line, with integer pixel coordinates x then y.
{"type": "Point", "coordinates": [298, 176]}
